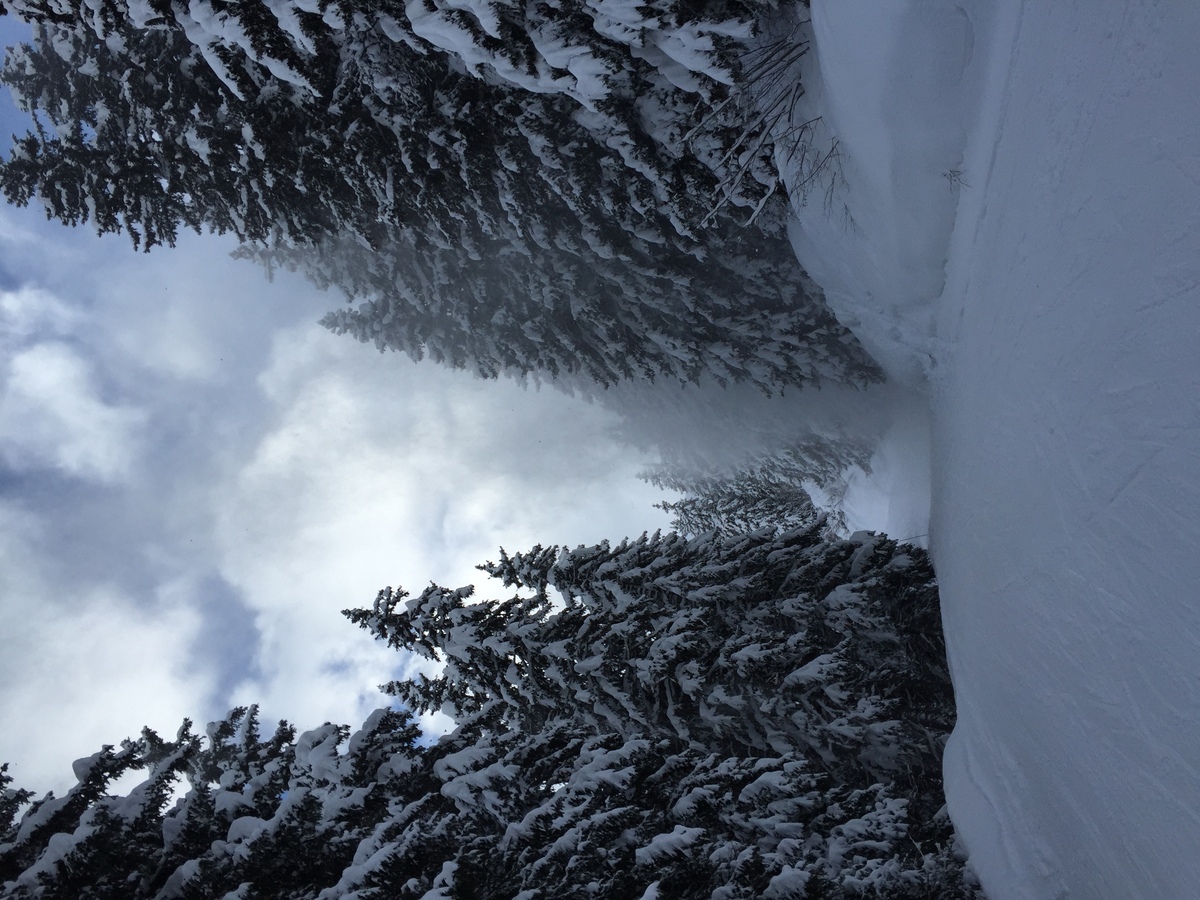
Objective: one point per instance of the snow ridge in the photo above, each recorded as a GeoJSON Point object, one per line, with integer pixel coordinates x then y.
{"type": "Point", "coordinates": [889, 86]}
{"type": "Point", "coordinates": [1006, 218]}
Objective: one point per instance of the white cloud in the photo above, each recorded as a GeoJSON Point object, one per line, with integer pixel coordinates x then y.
{"type": "Point", "coordinates": [84, 665]}
{"type": "Point", "coordinates": [30, 311]}
{"type": "Point", "coordinates": [51, 414]}
{"type": "Point", "coordinates": [377, 471]}
{"type": "Point", "coordinates": [193, 313]}
{"type": "Point", "coordinates": [11, 230]}
{"type": "Point", "coordinates": [183, 427]}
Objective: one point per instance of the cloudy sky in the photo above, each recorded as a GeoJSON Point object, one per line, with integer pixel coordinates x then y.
{"type": "Point", "coordinates": [195, 478]}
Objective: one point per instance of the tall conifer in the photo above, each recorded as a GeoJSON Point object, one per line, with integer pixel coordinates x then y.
{"type": "Point", "coordinates": [518, 189]}
{"type": "Point", "coordinates": [756, 716]}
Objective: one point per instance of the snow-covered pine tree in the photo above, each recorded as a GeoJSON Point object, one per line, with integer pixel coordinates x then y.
{"type": "Point", "coordinates": [11, 801]}
{"type": "Point", "coordinates": [212, 139]}
{"type": "Point", "coordinates": [282, 815]}
{"type": "Point", "coordinates": [750, 718]}
{"type": "Point", "coordinates": [747, 716]}
{"type": "Point", "coordinates": [507, 188]}
{"type": "Point", "coordinates": [770, 489]}
{"type": "Point", "coordinates": [671, 718]}
{"type": "Point", "coordinates": [745, 501]}
{"type": "Point", "coordinates": [87, 843]}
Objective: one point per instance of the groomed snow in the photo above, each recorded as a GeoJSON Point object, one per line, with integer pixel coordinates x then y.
{"type": "Point", "coordinates": [1020, 239]}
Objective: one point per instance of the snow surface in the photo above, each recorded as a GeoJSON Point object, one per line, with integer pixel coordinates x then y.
{"type": "Point", "coordinates": [1015, 232]}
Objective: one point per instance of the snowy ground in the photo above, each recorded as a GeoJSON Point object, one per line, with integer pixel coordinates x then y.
{"type": "Point", "coordinates": [1019, 237]}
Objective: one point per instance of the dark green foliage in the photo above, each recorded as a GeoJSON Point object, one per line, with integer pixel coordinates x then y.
{"type": "Point", "coordinates": [116, 844]}
{"type": "Point", "coordinates": [11, 801]}
{"type": "Point", "coordinates": [772, 702]}
{"type": "Point", "coordinates": [736, 504]}
{"type": "Point", "coordinates": [491, 205]}
{"type": "Point", "coordinates": [769, 490]}
{"type": "Point", "coordinates": [282, 814]}
{"type": "Point", "coordinates": [759, 716]}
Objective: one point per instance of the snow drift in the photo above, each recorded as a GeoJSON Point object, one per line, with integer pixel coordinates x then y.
{"type": "Point", "coordinates": [1016, 236]}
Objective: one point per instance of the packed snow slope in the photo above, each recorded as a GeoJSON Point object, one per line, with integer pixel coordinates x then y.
{"type": "Point", "coordinates": [1018, 235]}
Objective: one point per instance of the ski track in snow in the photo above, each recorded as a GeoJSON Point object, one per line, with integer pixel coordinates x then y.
{"type": "Point", "coordinates": [1067, 485]}
{"type": "Point", "coordinates": [1047, 298]}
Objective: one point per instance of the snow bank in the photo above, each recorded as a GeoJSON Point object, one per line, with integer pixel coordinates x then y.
{"type": "Point", "coordinates": [893, 494]}
{"type": "Point", "coordinates": [720, 429]}
{"type": "Point", "coordinates": [1067, 496]}
{"type": "Point", "coordinates": [1017, 236]}
{"type": "Point", "coordinates": [891, 82]}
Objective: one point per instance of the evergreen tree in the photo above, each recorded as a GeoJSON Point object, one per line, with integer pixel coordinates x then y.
{"type": "Point", "coordinates": [11, 801]}
{"type": "Point", "coordinates": [516, 189]}
{"type": "Point", "coordinates": [759, 716]}
{"type": "Point", "coordinates": [769, 490]}
{"type": "Point", "coordinates": [734, 504]}
{"type": "Point", "coordinates": [89, 844]}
